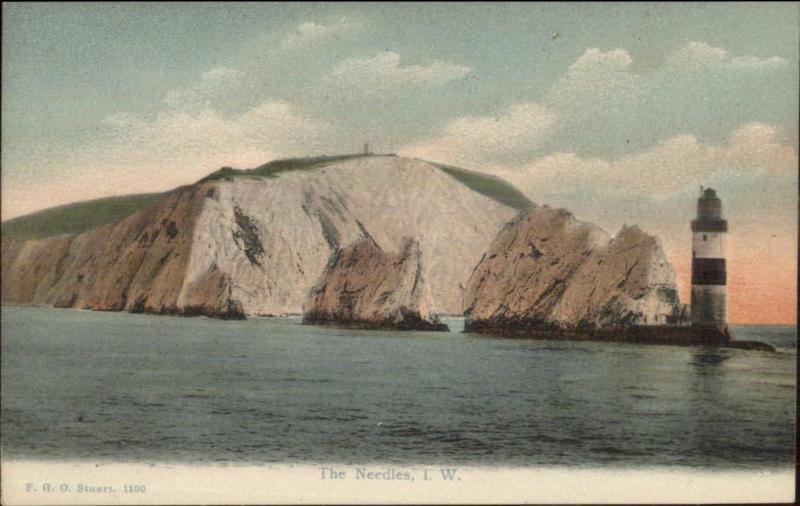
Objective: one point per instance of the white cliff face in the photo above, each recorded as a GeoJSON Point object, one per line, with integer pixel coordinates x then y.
{"type": "Point", "coordinates": [271, 239]}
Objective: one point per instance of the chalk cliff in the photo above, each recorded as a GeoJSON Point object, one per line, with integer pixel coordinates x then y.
{"type": "Point", "coordinates": [250, 245]}
{"type": "Point", "coordinates": [366, 287]}
{"type": "Point", "coordinates": [547, 270]}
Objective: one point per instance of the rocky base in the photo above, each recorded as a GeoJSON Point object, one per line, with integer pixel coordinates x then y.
{"type": "Point", "coordinates": [234, 311]}
{"type": "Point", "coordinates": [408, 321]}
{"type": "Point", "coordinates": [641, 334]}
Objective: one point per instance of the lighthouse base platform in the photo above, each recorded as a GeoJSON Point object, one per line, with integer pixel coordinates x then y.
{"type": "Point", "coordinates": [642, 334]}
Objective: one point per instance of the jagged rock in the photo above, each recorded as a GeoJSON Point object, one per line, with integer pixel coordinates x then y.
{"type": "Point", "coordinates": [366, 287]}
{"type": "Point", "coordinates": [547, 271]}
{"type": "Point", "coordinates": [268, 239]}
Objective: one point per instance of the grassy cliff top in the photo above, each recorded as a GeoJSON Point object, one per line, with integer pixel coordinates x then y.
{"type": "Point", "coordinates": [490, 186]}
{"type": "Point", "coordinates": [82, 216]}
{"type": "Point", "coordinates": [76, 218]}
{"type": "Point", "coordinates": [493, 187]}
{"type": "Point", "coordinates": [275, 167]}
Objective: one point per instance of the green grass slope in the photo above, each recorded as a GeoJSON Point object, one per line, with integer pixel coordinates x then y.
{"type": "Point", "coordinates": [493, 187]}
{"type": "Point", "coordinates": [83, 216]}
{"type": "Point", "coordinates": [275, 167]}
{"type": "Point", "coordinates": [76, 218]}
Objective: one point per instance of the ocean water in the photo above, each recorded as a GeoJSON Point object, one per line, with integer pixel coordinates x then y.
{"type": "Point", "coordinates": [140, 388]}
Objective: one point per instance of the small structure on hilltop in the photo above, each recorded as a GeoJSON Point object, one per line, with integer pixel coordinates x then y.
{"type": "Point", "coordinates": [366, 149]}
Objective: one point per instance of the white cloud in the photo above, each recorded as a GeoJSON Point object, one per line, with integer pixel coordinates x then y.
{"type": "Point", "coordinates": [211, 85]}
{"type": "Point", "coordinates": [600, 88]}
{"type": "Point", "coordinates": [193, 122]}
{"type": "Point", "coordinates": [383, 71]}
{"type": "Point", "coordinates": [202, 140]}
{"type": "Point", "coordinates": [310, 33]}
{"type": "Point", "coordinates": [594, 79]}
{"type": "Point", "coordinates": [669, 167]}
{"type": "Point", "coordinates": [600, 81]}
{"type": "Point", "coordinates": [760, 145]}
{"type": "Point", "coordinates": [478, 139]}
{"type": "Point", "coordinates": [698, 55]}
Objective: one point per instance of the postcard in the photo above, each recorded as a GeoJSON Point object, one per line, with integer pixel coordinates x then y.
{"type": "Point", "coordinates": [396, 253]}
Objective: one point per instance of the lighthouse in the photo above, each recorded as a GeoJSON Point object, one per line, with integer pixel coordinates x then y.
{"type": "Point", "coordinates": [709, 278]}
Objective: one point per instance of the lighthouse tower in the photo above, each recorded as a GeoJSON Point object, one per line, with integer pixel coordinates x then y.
{"type": "Point", "coordinates": [708, 262]}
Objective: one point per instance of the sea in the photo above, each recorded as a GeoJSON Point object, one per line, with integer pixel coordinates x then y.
{"type": "Point", "coordinates": [119, 387]}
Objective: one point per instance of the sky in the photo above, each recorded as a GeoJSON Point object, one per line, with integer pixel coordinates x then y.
{"type": "Point", "coordinates": [618, 112]}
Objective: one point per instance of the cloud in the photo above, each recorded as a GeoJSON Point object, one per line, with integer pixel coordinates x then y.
{"type": "Point", "coordinates": [668, 167]}
{"type": "Point", "coordinates": [477, 139]}
{"type": "Point", "coordinates": [607, 107]}
{"type": "Point", "coordinates": [310, 33]}
{"type": "Point", "coordinates": [211, 85]}
{"type": "Point", "coordinates": [602, 107]}
{"type": "Point", "coordinates": [698, 55]}
{"type": "Point", "coordinates": [207, 138]}
{"type": "Point", "coordinates": [760, 145]}
{"type": "Point", "coordinates": [196, 125]}
{"type": "Point", "coordinates": [596, 78]}
{"type": "Point", "coordinates": [383, 72]}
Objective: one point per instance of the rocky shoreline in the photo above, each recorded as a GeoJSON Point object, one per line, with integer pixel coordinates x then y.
{"type": "Point", "coordinates": [640, 334]}
{"type": "Point", "coordinates": [408, 321]}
